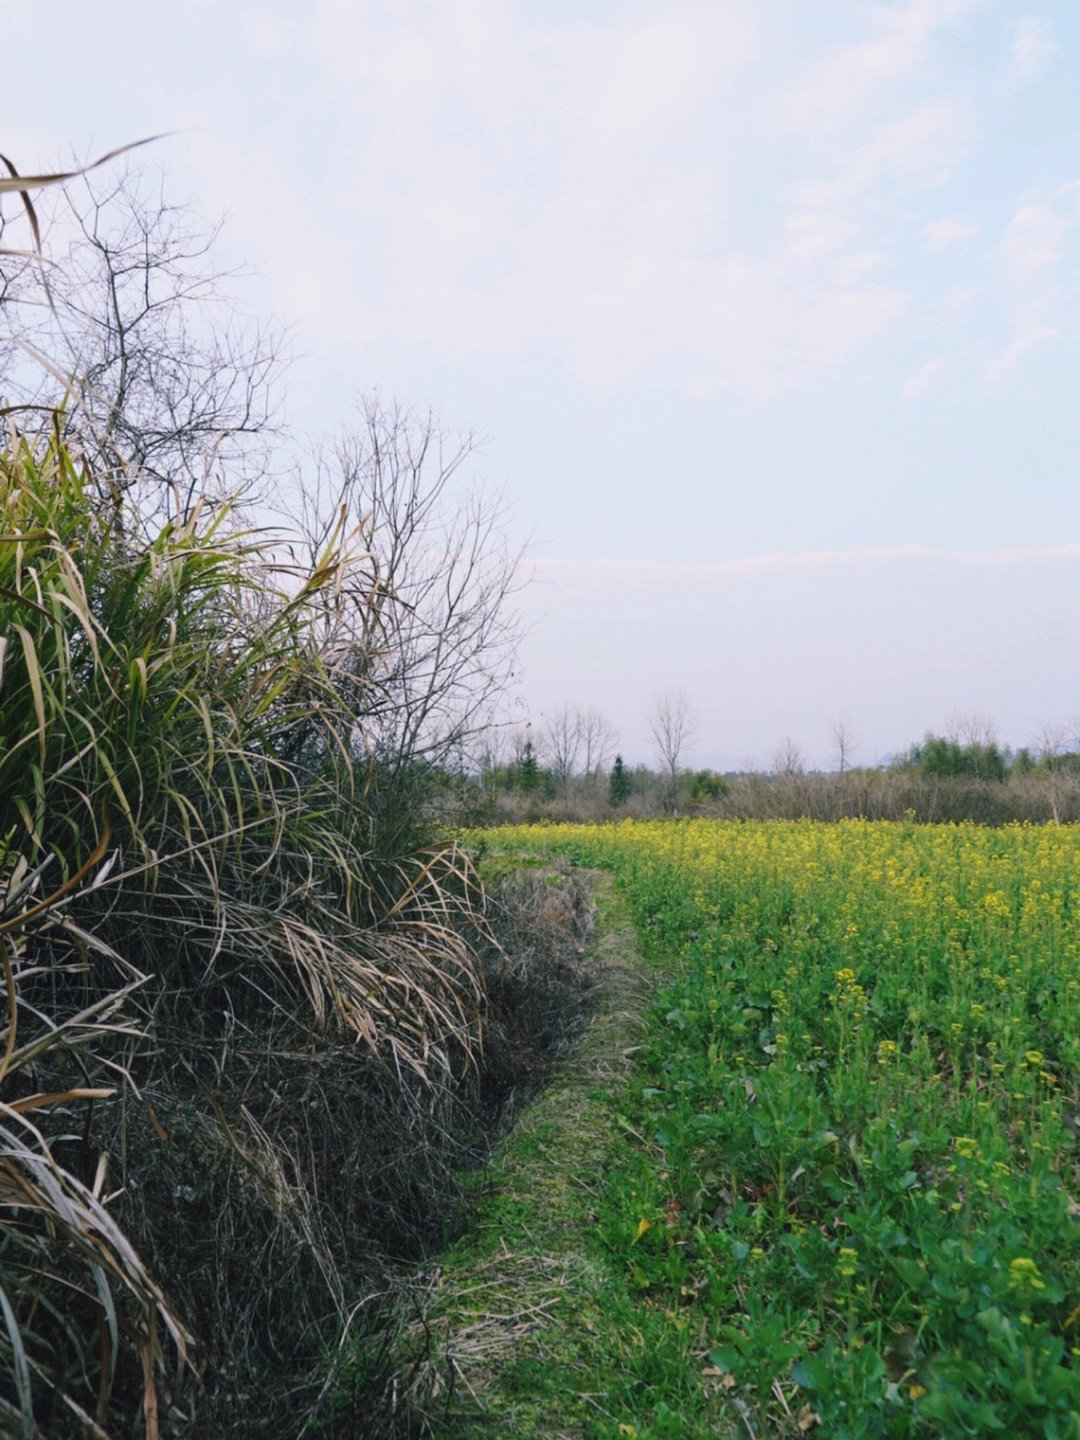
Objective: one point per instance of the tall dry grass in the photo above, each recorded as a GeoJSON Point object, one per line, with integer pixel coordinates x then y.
{"type": "Point", "coordinates": [199, 927]}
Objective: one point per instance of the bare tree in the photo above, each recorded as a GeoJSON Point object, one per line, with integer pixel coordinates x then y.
{"type": "Point", "coordinates": [442, 575]}
{"type": "Point", "coordinates": [1056, 778]}
{"type": "Point", "coordinates": [562, 744]}
{"type": "Point", "coordinates": [972, 730]}
{"type": "Point", "coordinates": [843, 742]}
{"type": "Point", "coordinates": [135, 314]}
{"type": "Point", "coordinates": [1051, 740]}
{"type": "Point", "coordinates": [787, 760]}
{"type": "Point", "coordinates": [598, 739]}
{"type": "Point", "coordinates": [672, 725]}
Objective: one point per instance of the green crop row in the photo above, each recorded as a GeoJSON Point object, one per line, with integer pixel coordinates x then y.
{"type": "Point", "coordinates": [858, 1109]}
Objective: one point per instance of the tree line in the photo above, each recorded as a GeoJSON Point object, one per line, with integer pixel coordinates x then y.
{"type": "Point", "coordinates": [962, 774]}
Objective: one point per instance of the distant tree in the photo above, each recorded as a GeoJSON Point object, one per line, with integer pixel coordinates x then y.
{"type": "Point", "coordinates": [528, 770]}
{"type": "Point", "coordinates": [1057, 745]}
{"type": "Point", "coordinates": [517, 740]}
{"type": "Point", "coordinates": [562, 744]}
{"type": "Point", "coordinates": [598, 737]}
{"type": "Point", "coordinates": [491, 762]}
{"type": "Point", "coordinates": [972, 731]}
{"type": "Point", "coordinates": [1051, 740]}
{"type": "Point", "coordinates": [1058, 766]}
{"type": "Point", "coordinates": [843, 742]}
{"type": "Point", "coordinates": [619, 787]}
{"type": "Point", "coordinates": [672, 725]}
{"type": "Point", "coordinates": [787, 758]}
{"type": "Point", "coordinates": [991, 763]}
{"type": "Point", "coordinates": [944, 755]}
{"type": "Point", "coordinates": [937, 755]}
{"type": "Point", "coordinates": [707, 785]}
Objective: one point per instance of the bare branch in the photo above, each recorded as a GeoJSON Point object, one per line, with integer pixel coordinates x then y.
{"type": "Point", "coordinates": [562, 743]}
{"type": "Point", "coordinates": [972, 730]}
{"type": "Point", "coordinates": [598, 739]}
{"type": "Point", "coordinates": [843, 739]}
{"type": "Point", "coordinates": [163, 375]}
{"type": "Point", "coordinates": [787, 759]}
{"type": "Point", "coordinates": [439, 587]}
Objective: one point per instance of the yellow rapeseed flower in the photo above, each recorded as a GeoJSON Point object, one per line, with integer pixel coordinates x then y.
{"type": "Point", "coordinates": [1024, 1275]}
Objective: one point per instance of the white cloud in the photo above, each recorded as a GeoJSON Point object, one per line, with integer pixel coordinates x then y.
{"type": "Point", "coordinates": [1033, 242]}
{"type": "Point", "coordinates": [835, 91]}
{"type": "Point", "coordinates": [475, 182]}
{"type": "Point", "coordinates": [923, 379]}
{"type": "Point", "coordinates": [813, 233]}
{"type": "Point", "coordinates": [948, 231]}
{"type": "Point", "coordinates": [1032, 48]}
{"type": "Point", "coordinates": [1031, 252]}
{"type": "Point", "coordinates": [853, 269]}
{"type": "Point", "coordinates": [525, 189]}
{"type": "Point", "coordinates": [1032, 331]}
{"type": "Point", "coordinates": [921, 147]}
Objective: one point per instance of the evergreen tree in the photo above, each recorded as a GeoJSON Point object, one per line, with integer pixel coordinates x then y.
{"type": "Point", "coordinates": [528, 769]}
{"type": "Point", "coordinates": [619, 784]}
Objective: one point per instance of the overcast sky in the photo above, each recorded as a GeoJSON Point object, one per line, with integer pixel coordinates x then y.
{"type": "Point", "coordinates": [766, 312]}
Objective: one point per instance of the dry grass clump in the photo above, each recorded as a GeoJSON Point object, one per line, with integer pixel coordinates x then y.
{"type": "Point", "coordinates": [537, 982]}
{"type": "Point", "coordinates": [299, 1175]}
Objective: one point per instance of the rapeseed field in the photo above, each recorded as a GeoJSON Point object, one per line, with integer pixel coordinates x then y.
{"type": "Point", "coordinates": [853, 1188]}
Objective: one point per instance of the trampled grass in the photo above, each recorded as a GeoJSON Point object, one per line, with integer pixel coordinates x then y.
{"type": "Point", "coordinates": [853, 1200]}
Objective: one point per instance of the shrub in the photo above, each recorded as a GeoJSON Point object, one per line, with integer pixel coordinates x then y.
{"type": "Point", "coordinates": [205, 948]}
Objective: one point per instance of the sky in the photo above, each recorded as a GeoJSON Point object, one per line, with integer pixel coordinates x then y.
{"type": "Point", "coordinates": [765, 315]}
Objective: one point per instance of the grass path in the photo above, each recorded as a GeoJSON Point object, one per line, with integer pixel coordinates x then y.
{"type": "Point", "coordinates": [522, 1329]}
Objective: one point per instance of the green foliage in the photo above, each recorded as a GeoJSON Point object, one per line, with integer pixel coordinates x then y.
{"type": "Point", "coordinates": [619, 786]}
{"type": "Point", "coordinates": [1023, 762]}
{"type": "Point", "coordinates": [529, 777]}
{"type": "Point", "coordinates": [939, 756]}
{"type": "Point", "coordinates": [1060, 764]}
{"type": "Point", "coordinates": [856, 1171]}
{"type": "Point", "coordinates": [704, 786]}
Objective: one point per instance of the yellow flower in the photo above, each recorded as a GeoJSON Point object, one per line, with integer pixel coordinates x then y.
{"type": "Point", "coordinates": [847, 1262]}
{"type": "Point", "coordinates": [1024, 1275]}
